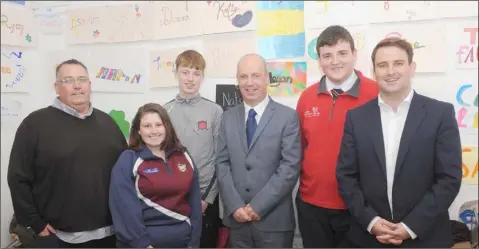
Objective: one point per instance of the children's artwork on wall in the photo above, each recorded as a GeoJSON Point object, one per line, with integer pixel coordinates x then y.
{"type": "Point", "coordinates": [175, 19]}
{"type": "Point", "coordinates": [469, 165]}
{"type": "Point", "coordinates": [162, 67]}
{"type": "Point", "coordinates": [228, 16]}
{"type": "Point", "coordinates": [17, 64]}
{"type": "Point", "coordinates": [110, 70]}
{"type": "Point", "coordinates": [11, 111]}
{"type": "Point", "coordinates": [126, 22]}
{"type": "Point", "coordinates": [120, 119]}
{"type": "Point", "coordinates": [401, 11]}
{"type": "Point", "coordinates": [222, 52]}
{"type": "Point", "coordinates": [228, 96]}
{"type": "Point", "coordinates": [321, 14]}
{"type": "Point", "coordinates": [466, 51]}
{"type": "Point", "coordinates": [281, 29]}
{"type": "Point", "coordinates": [466, 107]}
{"type": "Point", "coordinates": [286, 79]}
{"type": "Point", "coordinates": [87, 25]}
{"type": "Point", "coordinates": [18, 26]}
{"type": "Point", "coordinates": [427, 40]}
{"type": "Point", "coordinates": [451, 9]}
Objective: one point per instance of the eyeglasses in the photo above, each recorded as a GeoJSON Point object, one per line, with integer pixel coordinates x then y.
{"type": "Point", "coordinates": [71, 80]}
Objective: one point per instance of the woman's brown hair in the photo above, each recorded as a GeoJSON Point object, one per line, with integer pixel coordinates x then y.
{"type": "Point", "coordinates": [171, 140]}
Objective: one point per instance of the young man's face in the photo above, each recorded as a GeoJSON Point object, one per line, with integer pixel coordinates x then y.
{"type": "Point", "coordinates": [337, 62]}
{"type": "Point", "coordinates": [189, 80]}
{"type": "Point", "coordinates": [392, 70]}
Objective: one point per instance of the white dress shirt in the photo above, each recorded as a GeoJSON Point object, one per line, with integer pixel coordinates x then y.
{"type": "Point", "coordinates": [392, 126]}
{"type": "Point", "coordinates": [259, 109]}
{"type": "Point", "coordinates": [345, 86]}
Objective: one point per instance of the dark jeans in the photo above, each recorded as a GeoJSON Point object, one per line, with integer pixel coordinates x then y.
{"type": "Point", "coordinates": [322, 227]}
{"type": "Point", "coordinates": [211, 225]}
{"type": "Point", "coordinates": [53, 241]}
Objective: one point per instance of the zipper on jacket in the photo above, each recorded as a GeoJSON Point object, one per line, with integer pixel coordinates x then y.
{"type": "Point", "coordinates": [332, 109]}
{"type": "Point", "coordinates": [166, 166]}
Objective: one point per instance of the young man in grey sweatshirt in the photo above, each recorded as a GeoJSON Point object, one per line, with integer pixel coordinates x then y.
{"type": "Point", "coordinates": [196, 121]}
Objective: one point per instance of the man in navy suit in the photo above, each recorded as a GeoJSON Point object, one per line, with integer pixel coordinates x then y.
{"type": "Point", "coordinates": [399, 168]}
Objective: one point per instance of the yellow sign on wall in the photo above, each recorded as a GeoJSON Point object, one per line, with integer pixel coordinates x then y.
{"type": "Point", "coordinates": [469, 165]}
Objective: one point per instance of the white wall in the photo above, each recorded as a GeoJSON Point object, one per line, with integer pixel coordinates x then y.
{"type": "Point", "coordinates": [42, 94]}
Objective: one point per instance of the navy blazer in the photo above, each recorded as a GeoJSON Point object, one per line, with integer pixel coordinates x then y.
{"type": "Point", "coordinates": [427, 176]}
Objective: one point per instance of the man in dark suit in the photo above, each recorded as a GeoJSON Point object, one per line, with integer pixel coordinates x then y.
{"type": "Point", "coordinates": [399, 168]}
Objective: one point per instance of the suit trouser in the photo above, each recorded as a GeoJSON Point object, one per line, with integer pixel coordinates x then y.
{"type": "Point", "coordinates": [247, 236]}
{"type": "Point", "coordinates": [211, 225]}
{"type": "Point", "coordinates": [322, 227]}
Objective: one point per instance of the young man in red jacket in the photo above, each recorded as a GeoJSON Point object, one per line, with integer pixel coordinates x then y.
{"type": "Point", "coordinates": [322, 215]}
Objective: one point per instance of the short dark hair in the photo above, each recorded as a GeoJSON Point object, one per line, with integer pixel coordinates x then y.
{"type": "Point", "coordinates": [69, 62]}
{"type": "Point", "coordinates": [332, 35]}
{"type": "Point", "coordinates": [394, 42]}
{"type": "Point", "coordinates": [171, 140]}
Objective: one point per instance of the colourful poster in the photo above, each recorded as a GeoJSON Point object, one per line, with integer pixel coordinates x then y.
{"type": "Point", "coordinates": [119, 117]}
{"type": "Point", "coordinates": [286, 78]}
{"type": "Point", "coordinates": [469, 165]}
{"type": "Point", "coordinates": [466, 104]}
{"type": "Point", "coordinates": [281, 29]}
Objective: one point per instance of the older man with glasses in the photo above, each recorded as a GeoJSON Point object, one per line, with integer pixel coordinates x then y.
{"type": "Point", "coordinates": [60, 164]}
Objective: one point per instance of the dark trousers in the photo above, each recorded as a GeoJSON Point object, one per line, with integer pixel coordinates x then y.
{"type": "Point", "coordinates": [53, 241]}
{"type": "Point", "coordinates": [322, 227]}
{"type": "Point", "coordinates": [211, 225]}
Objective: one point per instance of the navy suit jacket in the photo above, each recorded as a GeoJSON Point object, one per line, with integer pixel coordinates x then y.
{"type": "Point", "coordinates": [427, 176]}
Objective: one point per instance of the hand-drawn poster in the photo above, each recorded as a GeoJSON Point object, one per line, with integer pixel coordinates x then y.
{"type": "Point", "coordinates": [127, 22]}
{"type": "Point", "coordinates": [18, 26]}
{"type": "Point", "coordinates": [362, 44]}
{"type": "Point", "coordinates": [228, 96]}
{"type": "Point", "coordinates": [321, 14]}
{"type": "Point", "coordinates": [222, 52]}
{"type": "Point", "coordinates": [121, 107]}
{"type": "Point", "coordinates": [400, 11]}
{"type": "Point", "coordinates": [465, 39]}
{"type": "Point", "coordinates": [228, 16]}
{"type": "Point", "coordinates": [427, 40]}
{"type": "Point", "coordinates": [162, 67]}
{"type": "Point", "coordinates": [281, 29]}
{"type": "Point", "coordinates": [451, 9]}
{"type": "Point", "coordinates": [110, 70]}
{"type": "Point", "coordinates": [87, 25]}
{"type": "Point", "coordinates": [50, 22]}
{"type": "Point", "coordinates": [469, 165]}
{"type": "Point", "coordinates": [17, 64]}
{"type": "Point", "coordinates": [17, 2]}
{"type": "Point", "coordinates": [175, 19]}
{"type": "Point", "coordinates": [286, 79]}
{"type": "Point", "coordinates": [466, 103]}
{"type": "Point", "coordinates": [11, 111]}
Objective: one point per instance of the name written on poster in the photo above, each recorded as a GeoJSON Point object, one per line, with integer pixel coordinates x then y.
{"type": "Point", "coordinates": [169, 16]}
{"type": "Point", "coordinates": [467, 112]}
{"type": "Point", "coordinates": [117, 75]}
{"type": "Point", "coordinates": [469, 53]}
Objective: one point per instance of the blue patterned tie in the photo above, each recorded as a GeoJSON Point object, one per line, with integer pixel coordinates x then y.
{"type": "Point", "coordinates": [250, 126]}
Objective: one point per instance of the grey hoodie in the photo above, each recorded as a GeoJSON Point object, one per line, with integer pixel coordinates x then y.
{"type": "Point", "coordinates": [196, 121]}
